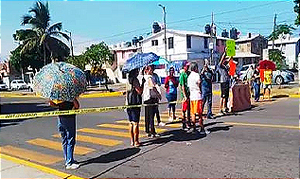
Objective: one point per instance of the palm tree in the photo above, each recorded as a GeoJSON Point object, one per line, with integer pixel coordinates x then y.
{"type": "Point", "coordinates": [42, 34]}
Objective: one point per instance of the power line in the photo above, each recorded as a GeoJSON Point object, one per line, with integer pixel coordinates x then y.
{"type": "Point", "coordinates": [180, 21]}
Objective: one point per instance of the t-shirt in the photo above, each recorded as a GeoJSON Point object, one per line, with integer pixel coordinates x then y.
{"type": "Point", "coordinates": [171, 84]}
{"type": "Point", "coordinates": [183, 83]}
{"type": "Point", "coordinates": [193, 79]}
{"type": "Point", "coordinates": [268, 77]}
{"type": "Point", "coordinates": [223, 71]}
{"type": "Point", "coordinates": [206, 82]}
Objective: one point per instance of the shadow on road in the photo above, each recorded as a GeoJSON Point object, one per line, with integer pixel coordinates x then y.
{"type": "Point", "coordinates": [112, 156]}
{"type": "Point", "coordinates": [11, 108]}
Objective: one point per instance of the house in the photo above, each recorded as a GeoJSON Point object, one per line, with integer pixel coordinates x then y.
{"type": "Point", "coordinates": [249, 49]}
{"type": "Point", "coordinates": [122, 52]}
{"type": "Point", "coordinates": [290, 46]}
{"type": "Point", "coordinates": [184, 45]}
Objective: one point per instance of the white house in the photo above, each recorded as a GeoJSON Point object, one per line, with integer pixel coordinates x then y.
{"type": "Point", "coordinates": [290, 46]}
{"type": "Point", "coordinates": [183, 45]}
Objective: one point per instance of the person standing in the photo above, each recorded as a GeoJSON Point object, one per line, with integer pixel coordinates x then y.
{"type": "Point", "coordinates": [67, 128]}
{"type": "Point", "coordinates": [185, 95]}
{"type": "Point", "coordinates": [222, 69]}
{"type": "Point", "coordinates": [267, 83]}
{"type": "Point", "coordinates": [171, 85]}
{"type": "Point", "coordinates": [195, 97]}
{"type": "Point", "coordinates": [134, 97]}
{"type": "Point", "coordinates": [156, 110]}
{"type": "Point", "coordinates": [256, 84]}
{"type": "Point", "coordinates": [151, 96]}
{"type": "Point", "coordinates": [249, 76]}
{"type": "Point", "coordinates": [206, 88]}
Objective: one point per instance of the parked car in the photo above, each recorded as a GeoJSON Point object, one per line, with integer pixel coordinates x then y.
{"type": "Point", "coordinates": [279, 76]}
{"type": "Point", "coordinates": [3, 86]}
{"type": "Point", "coordinates": [18, 84]}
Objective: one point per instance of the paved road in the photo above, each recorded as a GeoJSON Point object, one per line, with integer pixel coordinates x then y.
{"type": "Point", "coordinates": [234, 148]}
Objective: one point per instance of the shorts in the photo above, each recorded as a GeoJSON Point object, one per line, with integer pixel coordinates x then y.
{"type": "Point", "coordinates": [171, 98]}
{"type": "Point", "coordinates": [134, 114]}
{"type": "Point", "coordinates": [186, 105]}
{"type": "Point", "coordinates": [196, 107]}
{"type": "Point", "coordinates": [265, 86]}
{"type": "Point", "coordinates": [225, 90]}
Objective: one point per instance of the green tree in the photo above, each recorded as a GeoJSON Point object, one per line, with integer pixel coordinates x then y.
{"type": "Point", "coordinates": [42, 35]}
{"type": "Point", "coordinates": [281, 29]}
{"type": "Point", "coordinates": [79, 61]}
{"type": "Point", "coordinates": [277, 57]}
{"type": "Point", "coordinates": [297, 11]}
{"type": "Point", "coordinates": [97, 55]}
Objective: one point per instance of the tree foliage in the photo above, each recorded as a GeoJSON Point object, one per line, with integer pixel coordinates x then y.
{"type": "Point", "coordinates": [98, 54]}
{"type": "Point", "coordinates": [79, 61]}
{"type": "Point", "coordinates": [277, 57]}
{"type": "Point", "coordinates": [41, 41]}
{"type": "Point", "coordinates": [281, 29]}
{"type": "Point", "coordinates": [297, 11]}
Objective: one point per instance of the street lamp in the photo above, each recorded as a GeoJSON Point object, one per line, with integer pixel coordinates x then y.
{"type": "Point", "coordinates": [71, 42]}
{"type": "Point", "coordinates": [165, 30]}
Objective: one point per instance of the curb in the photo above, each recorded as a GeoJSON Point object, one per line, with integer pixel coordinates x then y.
{"type": "Point", "coordinates": [39, 167]}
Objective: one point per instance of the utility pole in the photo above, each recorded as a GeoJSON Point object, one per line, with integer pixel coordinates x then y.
{"type": "Point", "coordinates": [165, 30]}
{"type": "Point", "coordinates": [212, 35]}
{"type": "Point", "coordinates": [274, 26]}
{"type": "Point", "coordinates": [72, 50]}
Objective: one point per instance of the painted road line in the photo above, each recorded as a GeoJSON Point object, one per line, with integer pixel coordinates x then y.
{"type": "Point", "coordinates": [107, 132]}
{"type": "Point", "coordinates": [39, 167]}
{"type": "Point", "coordinates": [57, 146]}
{"type": "Point", "coordinates": [166, 119]}
{"type": "Point", "coordinates": [98, 95]}
{"type": "Point", "coordinates": [262, 125]}
{"type": "Point", "coordinates": [143, 123]}
{"type": "Point", "coordinates": [126, 127]}
{"type": "Point", "coordinates": [95, 140]}
{"type": "Point", "coordinates": [30, 155]}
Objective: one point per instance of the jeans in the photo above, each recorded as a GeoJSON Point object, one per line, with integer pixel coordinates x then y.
{"type": "Point", "coordinates": [207, 97]}
{"type": "Point", "coordinates": [67, 128]}
{"type": "Point", "coordinates": [256, 90]}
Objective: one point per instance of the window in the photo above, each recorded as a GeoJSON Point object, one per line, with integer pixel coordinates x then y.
{"type": "Point", "coordinates": [171, 42]}
{"type": "Point", "coordinates": [188, 41]}
{"type": "Point", "coordinates": [123, 54]}
{"type": "Point", "coordinates": [154, 42]}
{"type": "Point", "coordinates": [205, 42]}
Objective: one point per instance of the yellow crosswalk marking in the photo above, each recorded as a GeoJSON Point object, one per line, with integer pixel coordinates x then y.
{"type": "Point", "coordinates": [107, 132]}
{"type": "Point", "coordinates": [95, 140]}
{"type": "Point", "coordinates": [262, 125]}
{"type": "Point", "coordinates": [126, 127]}
{"type": "Point", "coordinates": [143, 123]}
{"type": "Point", "coordinates": [30, 155]}
{"type": "Point", "coordinates": [164, 119]}
{"type": "Point", "coordinates": [57, 146]}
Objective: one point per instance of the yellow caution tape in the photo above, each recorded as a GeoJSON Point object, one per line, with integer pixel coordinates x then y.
{"type": "Point", "coordinates": [71, 112]}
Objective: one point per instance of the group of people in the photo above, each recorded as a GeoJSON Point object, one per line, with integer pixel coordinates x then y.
{"type": "Point", "coordinates": [196, 91]}
{"type": "Point", "coordinates": [254, 79]}
{"type": "Point", "coordinates": [195, 88]}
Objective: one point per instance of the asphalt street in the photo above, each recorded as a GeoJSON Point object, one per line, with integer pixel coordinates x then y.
{"type": "Point", "coordinates": [259, 143]}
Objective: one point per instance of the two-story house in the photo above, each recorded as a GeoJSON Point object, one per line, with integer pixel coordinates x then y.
{"type": "Point", "coordinates": [249, 49]}
{"type": "Point", "coordinates": [184, 45]}
{"type": "Point", "coordinates": [290, 46]}
{"type": "Point", "coordinates": [122, 52]}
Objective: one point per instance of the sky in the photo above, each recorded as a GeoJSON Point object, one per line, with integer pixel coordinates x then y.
{"type": "Point", "coordinates": [116, 21]}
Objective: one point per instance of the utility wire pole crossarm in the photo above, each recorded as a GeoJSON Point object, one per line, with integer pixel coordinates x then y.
{"type": "Point", "coordinates": [165, 30]}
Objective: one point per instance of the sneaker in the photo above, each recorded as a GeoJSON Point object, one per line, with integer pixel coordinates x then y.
{"type": "Point", "coordinates": [161, 124]}
{"type": "Point", "coordinates": [204, 131]}
{"type": "Point", "coordinates": [170, 119]}
{"type": "Point", "coordinates": [211, 117]}
{"type": "Point", "coordinates": [73, 166]}
{"type": "Point", "coordinates": [155, 136]}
